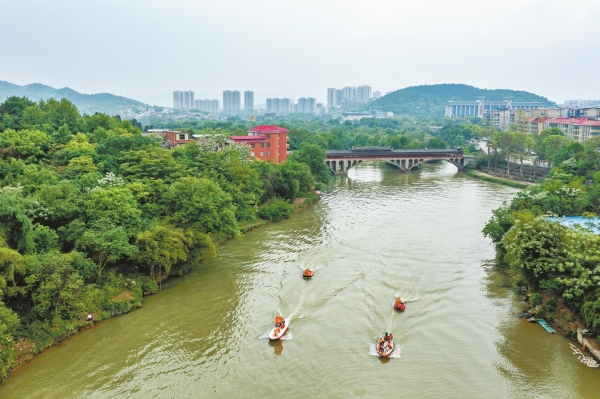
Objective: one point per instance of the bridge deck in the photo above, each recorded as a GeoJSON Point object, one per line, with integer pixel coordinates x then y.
{"type": "Point", "coordinates": [389, 153]}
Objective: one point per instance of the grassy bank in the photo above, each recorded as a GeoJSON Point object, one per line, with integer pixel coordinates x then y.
{"type": "Point", "coordinates": [506, 182]}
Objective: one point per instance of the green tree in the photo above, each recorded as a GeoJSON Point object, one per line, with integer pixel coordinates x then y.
{"type": "Point", "coordinates": [29, 145]}
{"type": "Point", "coordinates": [551, 145]}
{"type": "Point", "coordinates": [313, 156]}
{"type": "Point", "coordinates": [201, 203]}
{"type": "Point", "coordinates": [436, 143]}
{"type": "Point", "coordinates": [161, 248]}
{"type": "Point", "coordinates": [536, 249]}
{"type": "Point", "coordinates": [106, 243]}
{"type": "Point", "coordinates": [116, 204]}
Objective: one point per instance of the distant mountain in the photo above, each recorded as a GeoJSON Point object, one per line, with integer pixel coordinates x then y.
{"type": "Point", "coordinates": [430, 99]}
{"type": "Point", "coordinates": [86, 103]}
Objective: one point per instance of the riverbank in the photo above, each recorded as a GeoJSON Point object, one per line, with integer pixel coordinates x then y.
{"type": "Point", "coordinates": [130, 299]}
{"type": "Point", "coordinates": [503, 181]}
{"type": "Point", "coordinates": [556, 313]}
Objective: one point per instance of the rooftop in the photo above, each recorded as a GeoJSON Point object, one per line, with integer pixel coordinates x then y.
{"type": "Point", "coordinates": [254, 139]}
{"type": "Point", "coordinates": [268, 129]}
{"type": "Point", "coordinates": [565, 121]}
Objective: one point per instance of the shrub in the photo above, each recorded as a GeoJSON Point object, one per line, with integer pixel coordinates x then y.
{"type": "Point", "coordinates": [550, 304]}
{"type": "Point", "coordinates": [148, 285]}
{"type": "Point", "coordinates": [591, 314]}
{"type": "Point", "coordinates": [275, 210]}
{"type": "Point", "coordinates": [535, 299]}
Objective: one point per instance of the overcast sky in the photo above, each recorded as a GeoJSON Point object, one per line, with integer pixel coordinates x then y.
{"type": "Point", "coordinates": [144, 49]}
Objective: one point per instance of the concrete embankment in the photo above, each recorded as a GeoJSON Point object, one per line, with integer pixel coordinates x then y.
{"type": "Point", "coordinates": [591, 344]}
{"type": "Point", "coordinates": [500, 180]}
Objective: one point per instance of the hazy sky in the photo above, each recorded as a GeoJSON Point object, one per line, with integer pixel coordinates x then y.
{"type": "Point", "coordinates": [146, 48]}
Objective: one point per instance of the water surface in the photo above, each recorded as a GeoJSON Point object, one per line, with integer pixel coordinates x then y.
{"type": "Point", "coordinates": [376, 233]}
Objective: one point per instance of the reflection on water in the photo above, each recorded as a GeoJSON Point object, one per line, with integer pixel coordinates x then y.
{"type": "Point", "coordinates": [376, 234]}
{"type": "Point", "coordinates": [277, 347]}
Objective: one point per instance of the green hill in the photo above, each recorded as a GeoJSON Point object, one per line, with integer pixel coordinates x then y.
{"type": "Point", "coordinates": [86, 103]}
{"type": "Point", "coordinates": [430, 99]}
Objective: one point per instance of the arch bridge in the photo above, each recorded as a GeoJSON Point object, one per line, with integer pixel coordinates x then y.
{"type": "Point", "coordinates": [340, 161]}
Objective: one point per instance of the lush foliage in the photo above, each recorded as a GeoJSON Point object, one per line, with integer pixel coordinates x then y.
{"type": "Point", "coordinates": [94, 214]}
{"type": "Point", "coordinates": [544, 254]}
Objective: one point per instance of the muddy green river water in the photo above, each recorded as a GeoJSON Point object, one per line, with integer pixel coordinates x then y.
{"type": "Point", "coordinates": [376, 233]}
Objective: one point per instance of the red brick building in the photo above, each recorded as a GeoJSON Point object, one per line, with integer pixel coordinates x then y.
{"type": "Point", "coordinates": [269, 143]}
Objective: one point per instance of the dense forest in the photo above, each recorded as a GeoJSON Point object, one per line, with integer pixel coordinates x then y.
{"type": "Point", "coordinates": [431, 99]}
{"type": "Point", "coordinates": [94, 214]}
{"type": "Point", "coordinates": [85, 103]}
{"type": "Point", "coordinates": [559, 264]}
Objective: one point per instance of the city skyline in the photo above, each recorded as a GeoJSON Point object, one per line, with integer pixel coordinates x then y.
{"type": "Point", "coordinates": [349, 96]}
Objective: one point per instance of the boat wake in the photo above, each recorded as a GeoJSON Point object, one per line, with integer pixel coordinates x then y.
{"type": "Point", "coordinates": [396, 354]}
{"type": "Point", "coordinates": [409, 297]}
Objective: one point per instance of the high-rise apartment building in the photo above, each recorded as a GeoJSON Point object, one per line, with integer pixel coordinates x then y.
{"type": "Point", "coordinates": [331, 97]}
{"type": "Point", "coordinates": [339, 96]}
{"type": "Point", "coordinates": [307, 105]}
{"type": "Point", "coordinates": [248, 101]}
{"type": "Point", "coordinates": [279, 105]}
{"type": "Point", "coordinates": [232, 103]}
{"type": "Point", "coordinates": [350, 92]}
{"type": "Point", "coordinates": [183, 99]}
{"type": "Point", "coordinates": [177, 99]}
{"type": "Point", "coordinates": [376, 94]}
{"type": "Point", "coordinates": [211, 106]}
{"type": "Point", "coordinates": [363, 93]}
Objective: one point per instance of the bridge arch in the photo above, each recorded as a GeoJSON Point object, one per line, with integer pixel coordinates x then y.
{"type": "Point", "coordinates": [340, 161]}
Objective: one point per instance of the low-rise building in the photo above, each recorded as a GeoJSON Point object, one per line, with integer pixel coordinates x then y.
{"type": "Point", "coordinates": [356, 116]}
{"type": "Point", "coordinates": [383, 114]}
{"type": "Point", "coordinates": [478, 108]}
{"type": "Point", "coordinates": [171, 138]}
{"type": "Point", "coordinates": [268, 143]}
{"type": "Point", "coordinates": [576, 129]}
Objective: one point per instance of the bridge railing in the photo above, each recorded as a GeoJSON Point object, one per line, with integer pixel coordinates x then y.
{"type": "Point", "coordinates": [393, 156]}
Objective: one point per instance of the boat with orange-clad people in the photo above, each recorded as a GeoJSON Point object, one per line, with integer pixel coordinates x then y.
{"type": "Point", "coordinates": [400, 304]}
{"type": "Point", "coordinates": [385, 345]}
{"type": "Point", "coordinates": [280, 329]}
{"type": "Point", "coordinates": [308, 273]}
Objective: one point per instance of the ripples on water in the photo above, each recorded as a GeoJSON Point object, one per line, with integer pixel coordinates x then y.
{"type": "Point", "coordinates": [376, 234]}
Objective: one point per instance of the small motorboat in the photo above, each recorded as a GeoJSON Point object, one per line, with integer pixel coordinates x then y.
{"type": "Point", "coordinates": [280, 329]}
{"type": "Point", "coordinates": [400, 304]}
{"type": "Point", "coordinates": [307, 273]}
{"type": "Point", "coordinates": [385, 346]}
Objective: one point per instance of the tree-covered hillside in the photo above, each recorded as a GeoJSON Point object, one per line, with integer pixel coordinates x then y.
{"type": "Point", "coordinates": [430, 99]}
{"type": "Point", "coordinates": [86, 103]}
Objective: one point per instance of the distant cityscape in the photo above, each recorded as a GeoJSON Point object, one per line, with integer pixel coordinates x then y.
{"type": "Point", "coordinates": [347, 98]}
{"type": "Point", "coordinates": [578, 119]}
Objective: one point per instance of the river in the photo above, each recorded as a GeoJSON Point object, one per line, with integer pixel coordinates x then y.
{"type": "Point", "coordinates": [376, 233]}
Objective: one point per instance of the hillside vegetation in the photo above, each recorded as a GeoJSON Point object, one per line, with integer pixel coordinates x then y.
{"type": "Point", "coordinates": [86, 103]}
{"type": "Point", "coordinates": [430, 99]}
